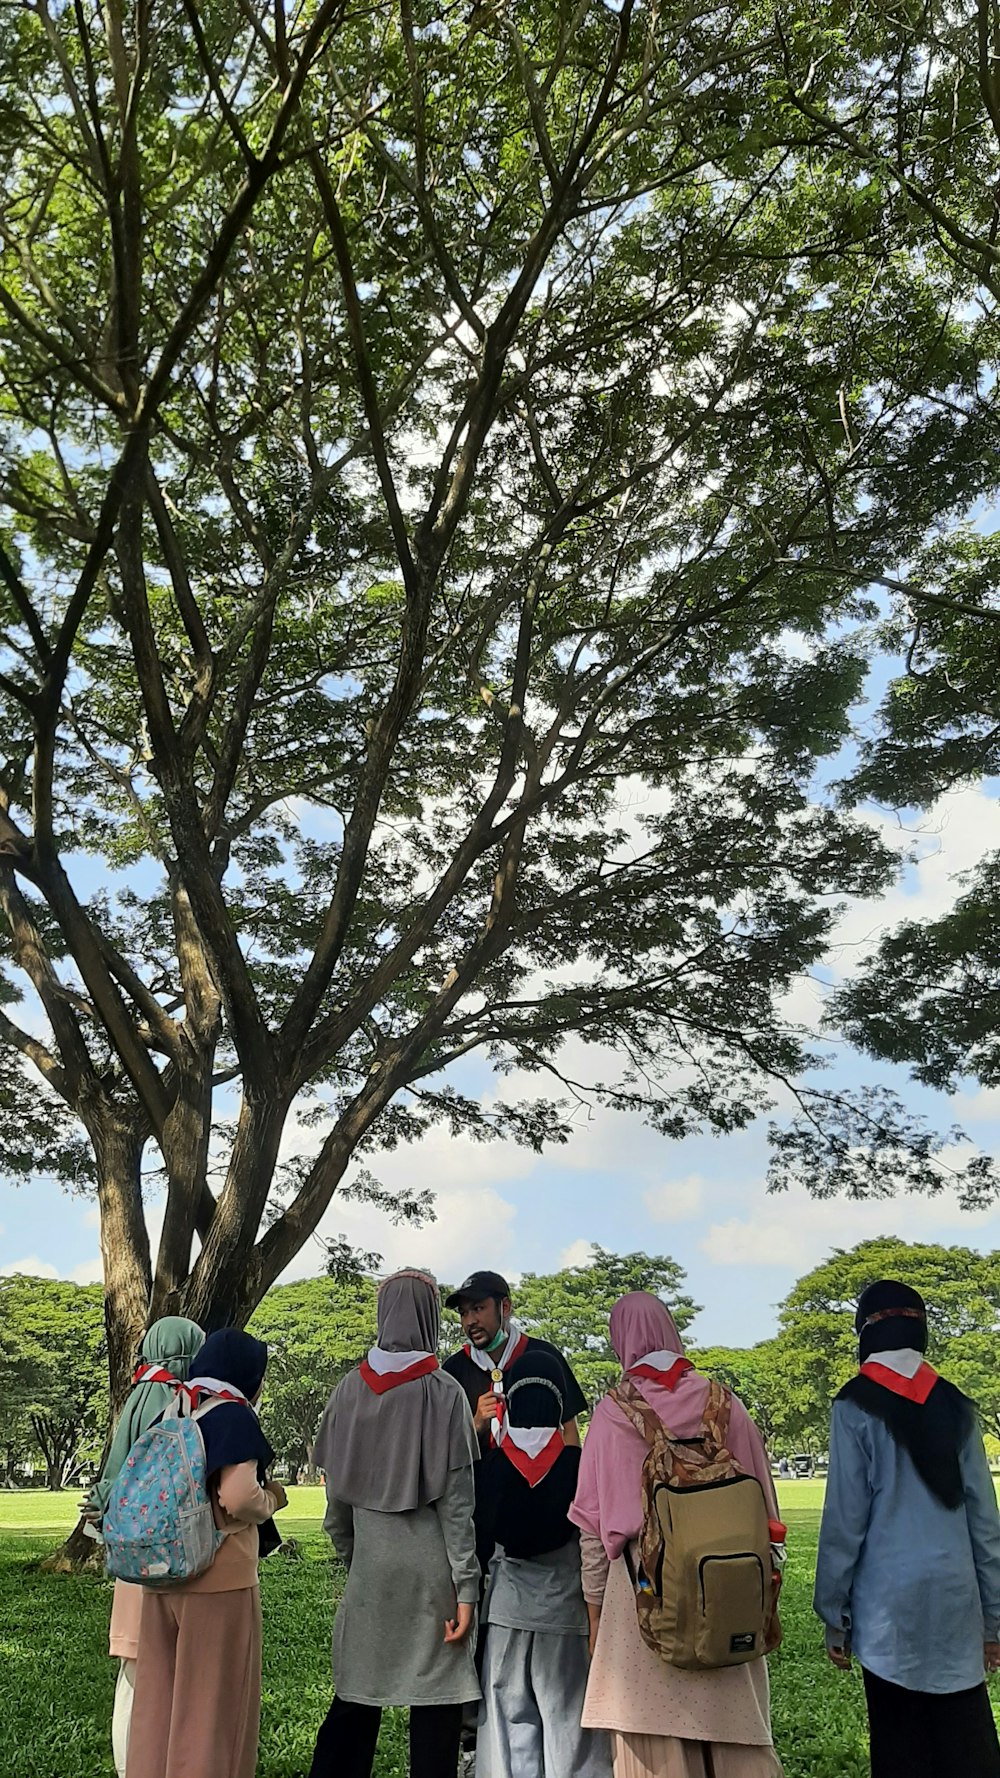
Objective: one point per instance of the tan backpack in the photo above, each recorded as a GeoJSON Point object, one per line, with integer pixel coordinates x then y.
{"type": "Point", "coordinates": [705, 1592]}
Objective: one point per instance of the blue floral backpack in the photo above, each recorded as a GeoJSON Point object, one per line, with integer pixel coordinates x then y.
{"type": "Point", "coordinates": [159, 1529]}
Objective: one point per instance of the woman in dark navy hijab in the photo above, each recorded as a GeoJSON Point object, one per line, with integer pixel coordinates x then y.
{"type": "Point", "coordinates": [908, 1577]}
{"type": "Point", "coordinates": [197, 1682]}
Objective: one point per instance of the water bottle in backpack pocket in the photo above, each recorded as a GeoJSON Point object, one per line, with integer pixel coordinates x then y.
{"type": "Point", "coordinates": [705, 1593]}
{"type": "Point", "coordinates": [159, 1529]}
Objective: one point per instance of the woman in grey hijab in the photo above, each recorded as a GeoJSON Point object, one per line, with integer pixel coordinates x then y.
{"type": "Point", "coordinates": [397, 1444]}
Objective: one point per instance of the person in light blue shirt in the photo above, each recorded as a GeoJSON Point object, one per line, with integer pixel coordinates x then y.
{"type": "Point", "coordinates": [908, 1575]}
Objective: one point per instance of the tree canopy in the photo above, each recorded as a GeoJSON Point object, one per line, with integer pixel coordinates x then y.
{"type": "Point", "coordinates": [930, 997]}
{"type": "Point", "coordinates": [53, 1374]}
{"type": "Point", "coordinates": [315, 1331]}
{"type": "Point", "coordinates": [571, 1307]}
{"type": "Point", "coordinates": [960, 1286]}
{"type": "Point", "coordinates": [53, 1385]}
{"type": "Point", "coordinates": [443, 456]}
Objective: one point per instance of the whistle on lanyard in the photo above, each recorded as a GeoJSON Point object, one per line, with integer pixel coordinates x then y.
{"type": "Point", "coordinates": [497, 1381]}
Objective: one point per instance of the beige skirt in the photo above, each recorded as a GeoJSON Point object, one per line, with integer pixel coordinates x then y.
{"type": "Point", "coordinates": [663, 1756]}
{"type": "Point", "coordinates": [641, 1698]}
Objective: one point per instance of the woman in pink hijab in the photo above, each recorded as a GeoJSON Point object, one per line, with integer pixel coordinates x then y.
{"type": "Point", "coordinates": [664, 1722]}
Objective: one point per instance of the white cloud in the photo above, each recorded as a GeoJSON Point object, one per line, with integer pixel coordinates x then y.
{"type": "Point", "coordinates": [982, 1107]}
{"type": "Point", "coordinates": [473, 1229]}
{"type": "Point", "coordinates": [31, 1267]}
{"type": "Point", "coordinates": [90, 1271]}
{"type": "Point", "coordinates": [578, 1253]}
{"type": "Point", "coordinates": [793, 1231]}
{"type": "Point", "coordinates": [676, 1200]}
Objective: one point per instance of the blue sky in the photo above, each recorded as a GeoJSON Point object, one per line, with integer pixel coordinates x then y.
{"type": "Point", "coordinates": [703, 1200]}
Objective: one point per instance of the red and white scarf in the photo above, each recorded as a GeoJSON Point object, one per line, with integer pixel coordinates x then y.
{"type": "Point", "coordinates": [192, 1392]}
{"type": "Point", "coordinates": [532, 1449]}
{"type": "Point", "coordinates": [383, 1371]}
{"type": "Point", "coordinates": [496, 1363]}
{"type": "Point", "coordinates": [665, 1368]}
{"type": "Point", "coordinates": [905, 1372]}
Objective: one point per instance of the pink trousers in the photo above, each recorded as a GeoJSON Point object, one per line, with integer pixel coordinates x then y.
{"type": "Point", "coordinates": [196, 1712]}
{"type": "Point", "coordinates": [664, 1756]}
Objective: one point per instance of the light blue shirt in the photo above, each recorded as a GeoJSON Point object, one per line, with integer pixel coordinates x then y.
{"type": "Point", "coordinates": [912, 1588]}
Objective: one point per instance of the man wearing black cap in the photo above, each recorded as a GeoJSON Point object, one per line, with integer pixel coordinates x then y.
{"type": "Point", "coordinates": [493, 1342]}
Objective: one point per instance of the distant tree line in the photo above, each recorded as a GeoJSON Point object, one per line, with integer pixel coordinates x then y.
{"type": "Point", "coordinates": [53, 1389]}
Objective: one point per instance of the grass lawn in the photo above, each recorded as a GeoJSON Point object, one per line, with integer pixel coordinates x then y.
{"type": "Point", "coordinates": [57, 1681]}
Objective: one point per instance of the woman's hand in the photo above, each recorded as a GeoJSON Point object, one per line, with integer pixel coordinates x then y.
{"type": "Point", "coordinates": [991, 1656]}
{"type": "Point", "coordinates": [594, 1614]}
{"type": "Point", "coordinates": [841, 1658]}
{"type": "Point", "coordinates": [458, 1627]}
{"type": "Point", "coordinates": [280, 1497]}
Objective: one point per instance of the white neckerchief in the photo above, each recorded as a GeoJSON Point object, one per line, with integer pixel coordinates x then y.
{"type": "Point", "coordinates": [495, 1361]}
{"type": "Point", "coordinates": [659, 1361]}
{"type": "Point", "coordinates": [387, 1364]}
{"type": "Point", "coordinates": [906, 1362]}
{"type": "Point", "coordinates": [532, 1440]}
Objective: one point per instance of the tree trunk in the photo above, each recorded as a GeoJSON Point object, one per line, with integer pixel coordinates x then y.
{"type": "Point", "coordinates": [127, 1289]}
{"type": "Point", "coordinates": [128, 1279]}
{"type": "Point", "coordinates": [53, 1475]}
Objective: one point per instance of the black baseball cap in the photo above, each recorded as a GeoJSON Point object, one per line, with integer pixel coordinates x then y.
{"type": "Point", "coordinates": [477, 1286]}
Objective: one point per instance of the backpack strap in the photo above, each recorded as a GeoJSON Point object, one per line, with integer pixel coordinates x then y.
{"type": "Point", "coordinates": [716, 1417]}
{"type": "Point", "coordinates": [636, 1409]}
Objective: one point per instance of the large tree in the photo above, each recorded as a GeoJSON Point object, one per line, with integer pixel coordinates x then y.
{"type": "Point", "coordinates": [907, 101]}
{"type": "Point", "coordinates": [417, 429]}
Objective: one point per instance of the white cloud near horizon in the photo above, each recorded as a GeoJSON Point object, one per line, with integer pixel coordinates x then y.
{"type": "Point", "coordinates": [578, 1253]}
{"type": "Point", "coordinates": [793, 1232]}
{"type": "Point", "coordinates": [29, 1267]}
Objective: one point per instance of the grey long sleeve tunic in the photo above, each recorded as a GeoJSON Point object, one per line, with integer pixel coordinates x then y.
{"type": "Point", "coordinates": [406, 1572]}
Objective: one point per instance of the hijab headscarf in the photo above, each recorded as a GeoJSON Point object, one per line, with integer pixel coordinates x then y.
{"type": "Point", "coordinates": [170, 1345]}
{"type": "Point", "coordinates": [529, 1518]}
{"type": "Point", "coordinates": [891, 1318]}
{"type": "Point", "coordinates": [924, 1414]}
{"type": "Point", "coordinates": [395, 1451]}
{"type": "Point", "coordinates": [608, 1500]}
{"type": "Point", "coordinates": [233, 1362]}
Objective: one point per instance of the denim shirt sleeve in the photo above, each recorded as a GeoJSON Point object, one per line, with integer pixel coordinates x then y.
{"type": "Point", "coordinates": [983, 1520]}
{"type": "Point", "coordinates": [846, 1511]}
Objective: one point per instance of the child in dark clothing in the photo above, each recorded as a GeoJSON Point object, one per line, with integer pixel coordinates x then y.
{"type": "Point", "coordinates": [535, 1666]}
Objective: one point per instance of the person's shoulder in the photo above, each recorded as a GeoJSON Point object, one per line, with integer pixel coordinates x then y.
{"type": "Point", "coordinates": [455, 1363]}
{"type": "Point", "coordinates": [607, 1408]}
{"type": "Point", "coordinates": [853, 1392]}
{"type": "Point", "coordinates": [445, 1379]}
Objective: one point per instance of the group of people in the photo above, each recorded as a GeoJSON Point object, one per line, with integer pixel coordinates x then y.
{"type": "Point", "coordinates": [493, 1557]}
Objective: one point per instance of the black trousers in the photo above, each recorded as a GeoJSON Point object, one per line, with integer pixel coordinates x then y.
{"type": "Point", "coordinates": [930, 1734]}
{"type": "Point", "coordinates": [345, 1745]}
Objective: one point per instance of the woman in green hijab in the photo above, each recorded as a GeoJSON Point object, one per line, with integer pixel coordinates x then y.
{"type": "Point", "coordinates": [168, 1347]}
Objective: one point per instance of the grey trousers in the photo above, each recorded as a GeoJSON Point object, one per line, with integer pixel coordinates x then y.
{"type": "Point", "coordinates": [533, 1689]}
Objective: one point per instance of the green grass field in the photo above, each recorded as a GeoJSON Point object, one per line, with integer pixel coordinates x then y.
{"type": "Point", "coordinates": [57, 1681]}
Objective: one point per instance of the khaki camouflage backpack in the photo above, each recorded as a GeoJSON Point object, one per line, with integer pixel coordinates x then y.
{"type": "Point", "coordinates": [705, 1593]}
